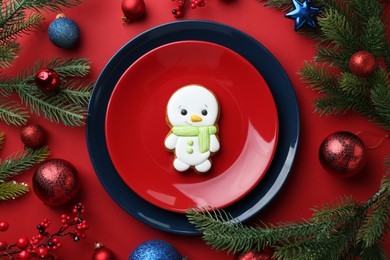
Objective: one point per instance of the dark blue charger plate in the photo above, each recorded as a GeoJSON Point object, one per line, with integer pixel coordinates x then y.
{"type": "Point", "coordinates": [229, 37]}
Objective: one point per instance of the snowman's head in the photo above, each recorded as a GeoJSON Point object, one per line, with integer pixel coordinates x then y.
{"type": "Point", "coordinates": [192, 105]}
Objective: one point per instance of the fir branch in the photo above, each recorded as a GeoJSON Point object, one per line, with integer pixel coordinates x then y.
{"type": "Point", "coordinates": [374, 37]}
{"type": "Point", "coordinates": [51, 106]}
{"type": "Point", "coordinates": [25, 26]}
{"type": "Point", "coordinates": [19, 162]}
{"type": "Point", "coordinates": [333, 56]}
{"type": "Point", "coordinates": [353, 85]}
{"type": "Point", "coordinates": [50, 5]}
{"type": "Point", "coordinates": [284, 5]}
{"type": "Point", "coordinates": [71, 67]}
{"type": "Point", "coordinates": [8, 52]}
{"type": "Point", "coordinates": [76, 93]}
{"type": "Point", "coordinates": [12, 113]}
{"type": "Point", "coordinates": [338, 29]}
{"type": "Point", "coordinates": [319, 78]}
{"type": "Point", "coordinates": [12, 190]}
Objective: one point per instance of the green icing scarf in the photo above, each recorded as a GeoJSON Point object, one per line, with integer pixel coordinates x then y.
{"type": "Point", "coordinates": [203, 133]}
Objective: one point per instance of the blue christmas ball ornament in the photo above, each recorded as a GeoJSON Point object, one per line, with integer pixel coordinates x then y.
{"type": "Point", "coordinates": [64, 32]}
{"type": "Point", "coordinates": [155, 250]}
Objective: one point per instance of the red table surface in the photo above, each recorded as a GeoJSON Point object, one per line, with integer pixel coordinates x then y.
{"type": "Point", "coordinates": [102, 34]}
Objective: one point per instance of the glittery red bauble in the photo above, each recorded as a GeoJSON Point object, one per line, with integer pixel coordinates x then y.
{"type": "Point", "coordinates": [362, 63]}
{"type": "Point", "coordinates": [254, 255]}
{"type": "Point", "coordinates": [102, 253]}
{"type": "Point", "coordinates": [133, 9]}
{"type": "Point", "coordinates": [343, 153]}
{"type": "Point", "coordinates": [55, 182]}
{"type": "Point", "coordinates": [33, 136]}
{"type": "Point", "coordinates": [47, 80]}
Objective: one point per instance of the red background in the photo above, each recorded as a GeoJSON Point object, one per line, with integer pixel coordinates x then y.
{"type": "Point", "coordinates": [102, 34]}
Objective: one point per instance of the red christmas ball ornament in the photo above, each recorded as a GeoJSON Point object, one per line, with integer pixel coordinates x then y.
{"type": "Point", "coordinates": [362, 63]}
{"type": "Point", "coordinates": [254, 255]}
{"type": "Point", "coordinates": [133, 9]}
{"type": "Point", "coordinates": [102, 253]}
{"type": "Point", "coordinates": [33, 136]}
{"type": "Point", "coordinates": [343, 153]}
{"type": "Point", "coordinates": [47, 80]}
{"type": "Point", "coordinates": [55, 182]}
{"type": "Point", "coordinates": [4, 226]}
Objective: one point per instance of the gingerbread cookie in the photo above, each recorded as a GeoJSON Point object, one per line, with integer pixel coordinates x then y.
{"type": "Point", "coordinates": [192, 114]}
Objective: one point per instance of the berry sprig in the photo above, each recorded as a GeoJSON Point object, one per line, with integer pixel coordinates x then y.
{"type": "Point", "coordinates": [45, 243]}
{"type": "Point", "coordinates": [178, 11]}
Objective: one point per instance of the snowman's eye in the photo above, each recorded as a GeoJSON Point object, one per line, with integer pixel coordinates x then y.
{"type": "Point", "coordinates": [204, 112]}
{"type": "Point", "coordinates": [183, 112]}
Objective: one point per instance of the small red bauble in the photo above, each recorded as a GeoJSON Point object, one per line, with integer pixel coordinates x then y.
{"type": "Point", "coordinates": [55, 182]}
{"type": "Point", "coordinates": [22, 242]}
{"type": "Point", "coordinates": [254, 255]}
{"type": "Point", "coordinates": [47, 80]}
{"type": "Point", "coordinates": [23, 255]}
{"type": "Point", "coordinates": [343, 153]}
{"type": "Point", "coordinates": [133, 9]}
{"type": "Point", "coordinates": [102, 253]}
{"type": "Point", "coordinates": [362, 63]}
{"type": "Point", "coordinates": [4, 226]}
{"type": "Point", "coordinates": [33, 136]}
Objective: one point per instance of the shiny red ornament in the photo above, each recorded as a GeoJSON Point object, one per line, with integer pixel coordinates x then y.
{"type": "Point", "coordinates": [47, 80]}
{"type": "Point", "coordinates": [254, 255]}
{"type": "Point", "coordinates": [362, 63]}
{"type": "Point", "coordinates": [33, 136]}
{"type": "Point", "coordinates": [133, 9]}
{"type": "Point", "coordinates": [4, 226]}
{"type": "Point", "coordinates": [102, 253]}
{"type": "Point", "coordinates": [343, 153]}
{"type": "Point", "coordinates": [55, 182]}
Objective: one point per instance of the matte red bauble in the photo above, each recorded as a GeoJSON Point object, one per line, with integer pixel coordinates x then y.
{"type": "Point", "coordinates": [254, 255]}
{"type": "Point", "coordinates": [33, 136]}
{"type": "Point", "coordinates": [343, 153]}
{"type": "Point", "coordinates": [362, 63]}
{"type": "Point", "coordinates": [55, 182]}
{"type": "Point", "coordinates": [133, 9]}
{"type": "Point", "coordinates": [102, 253]}
{"type": "Point", "coordinates": [47, 80]}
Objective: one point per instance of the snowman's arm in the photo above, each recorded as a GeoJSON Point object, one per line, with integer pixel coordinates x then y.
{"type": "Point", "coordinates": [214, 143]}
{"type": "Point", "coordinates": [170, 141]}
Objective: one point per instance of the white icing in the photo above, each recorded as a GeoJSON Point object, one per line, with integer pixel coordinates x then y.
{"type": "Point", "coordinates": [194, 99]}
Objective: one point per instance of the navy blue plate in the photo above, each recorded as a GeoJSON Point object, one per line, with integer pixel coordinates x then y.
{"type": "Point", "coordinates": [229, 37]}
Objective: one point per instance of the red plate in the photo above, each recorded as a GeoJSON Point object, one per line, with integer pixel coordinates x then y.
{"type": "Point", "coordinates": [136, 126]}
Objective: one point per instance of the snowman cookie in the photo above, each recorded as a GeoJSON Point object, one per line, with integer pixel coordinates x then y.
{"type": "Point", "coordinates": [192, 114]}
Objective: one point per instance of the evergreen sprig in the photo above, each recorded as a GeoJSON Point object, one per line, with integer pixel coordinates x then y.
{"type": "Point", "coordinates": [16, 164]}
{"type": "Point", "coordinates": [69, 104]}
{"type": "Point", "coordinates": [12, 190]}
{"type": "Point", "coordinates": [344, 28]}
{"type": "Point", "coordinates": [21, 161]}
{"type": "Point", "coordinates": [343, 228]}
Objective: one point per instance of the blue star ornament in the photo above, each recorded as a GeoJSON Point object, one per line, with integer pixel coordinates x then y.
{"type": "Point", "coordinates": [303, 13]}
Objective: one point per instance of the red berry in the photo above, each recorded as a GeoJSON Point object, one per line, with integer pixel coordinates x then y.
{"type": "Point", "coordinates": [4, 226]}
{"type": "Point", "coordinates": [24, 255]}
{"type": "Point", "coordinates": [3, 245]}
{"type": "Point", "coordinates": [42, 252]}
{"type": "Point", "coordinates": [22, 243]}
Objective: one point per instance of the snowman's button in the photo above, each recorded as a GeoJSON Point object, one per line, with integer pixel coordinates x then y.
{"type": "Point", "coordinates": [190, 150]}
{"type": "Point", "coordinates": [190, 142]}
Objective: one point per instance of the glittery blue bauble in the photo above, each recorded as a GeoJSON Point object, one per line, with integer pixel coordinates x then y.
{"type": "Point", "coordinates": [155, 250]}
{"type": "Point", "coordinates": [64, 32]}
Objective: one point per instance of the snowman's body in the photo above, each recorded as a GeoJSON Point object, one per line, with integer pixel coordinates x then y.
{"type": "Point", "coordinates": [192, 112]}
